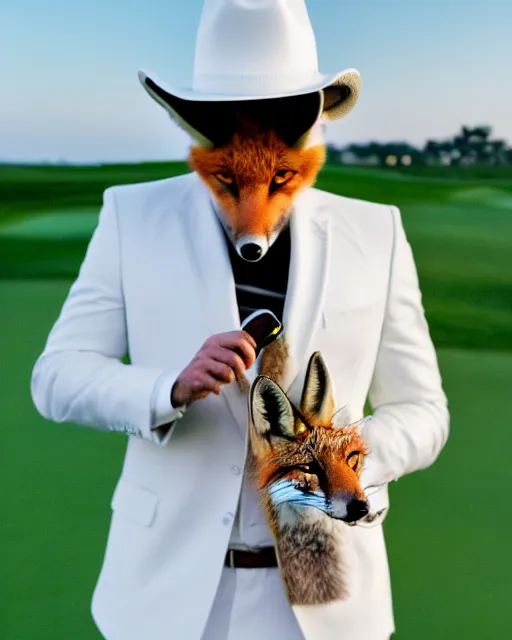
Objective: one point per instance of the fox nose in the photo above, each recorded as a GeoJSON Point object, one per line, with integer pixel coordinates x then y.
{"type": "Point", "coordinates": [356, 509]}
{"type": "Point", "coordinates": [251, 252]}
{"type": "Point", "coordinates": [252, 248]}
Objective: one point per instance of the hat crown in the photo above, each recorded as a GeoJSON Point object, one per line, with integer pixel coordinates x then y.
{"type": "Point", "coordinates": [241, 40]}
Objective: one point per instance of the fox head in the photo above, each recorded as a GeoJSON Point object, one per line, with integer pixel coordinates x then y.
{"type": "Point", "coordinates": [257, 168]}
{"type": "Point", "coordinates": [303, 462]}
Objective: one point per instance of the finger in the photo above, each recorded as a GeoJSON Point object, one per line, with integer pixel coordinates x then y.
{"type": "Point", "coordinates": [205, 384]}
{"type": "Point", "coordinates": [219, 370]}
{"type": "Point", "coordinates": [232, 339]}
{"type": "Point", "coordinates": [245, 349]}
{"type": "Point", "coordinates": [243, 346]}
{"type": "Point", "coordinates": [249, 338]}
{"type": "Point", "coordinates": [222, 339]}
{"type": "Point", "coordinates": [230, 358]}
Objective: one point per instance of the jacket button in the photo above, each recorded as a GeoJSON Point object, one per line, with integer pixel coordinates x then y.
{"type": "Point", "coordinates": [236, 470]}
{"type": "Point", "coordinates": [227, 519]}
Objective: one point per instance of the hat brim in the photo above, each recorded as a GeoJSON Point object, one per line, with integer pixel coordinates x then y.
{"type": "Point", "coordinates": [341, 91]}
{"type": "Point", "coordinates": [320, 82]}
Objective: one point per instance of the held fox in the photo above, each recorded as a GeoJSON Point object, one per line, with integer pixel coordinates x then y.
{"type": "Point", "coordinates": [308, 475]}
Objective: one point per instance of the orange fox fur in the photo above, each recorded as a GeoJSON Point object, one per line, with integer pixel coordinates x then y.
{"type": "Point", "coordinates": [303, 467]}
{"type": "Point", "coordinates": [253, 202]}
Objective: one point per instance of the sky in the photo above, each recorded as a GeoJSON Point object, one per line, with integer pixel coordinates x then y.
{"type": "Point", "coordinates": [69, 89]}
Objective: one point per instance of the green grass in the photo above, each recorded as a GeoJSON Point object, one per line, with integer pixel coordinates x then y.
{"type": "Point", "coordinates": [55, 512]}
{"type": "Point", "coordinates": [25, 188]}
{"type": "Point", "coordinates": [52, 226]}
{"type": "Point", "coordinates": [447, 532]}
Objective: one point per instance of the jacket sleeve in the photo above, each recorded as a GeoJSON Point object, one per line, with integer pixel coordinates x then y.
{"type": "Point", "coordinates": [80, 377]}
{"type": "Point", "coordinates": [410, 419]}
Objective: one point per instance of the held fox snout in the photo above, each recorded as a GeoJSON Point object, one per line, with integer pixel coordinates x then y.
{"type": "Point", "coordinates": [254, 179]}
{"type": "Point", "coordinates": [308, 475]}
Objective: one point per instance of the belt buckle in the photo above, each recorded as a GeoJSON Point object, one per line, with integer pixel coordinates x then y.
{"type": "Point", "coordinates": [231, 558]}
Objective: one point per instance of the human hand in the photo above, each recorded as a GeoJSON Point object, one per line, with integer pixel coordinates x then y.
{"type": "Point", "coordinates": [222, 359]}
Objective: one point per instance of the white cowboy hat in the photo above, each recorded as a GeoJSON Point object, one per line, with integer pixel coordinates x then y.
{"type": "Point", "coordinates": [255, 50]}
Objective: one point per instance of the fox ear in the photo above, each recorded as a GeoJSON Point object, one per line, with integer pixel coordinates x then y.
{"type": "Point", "coordinates": [272, 414]}
{"type": "Point", "coordinates": [317, 403]}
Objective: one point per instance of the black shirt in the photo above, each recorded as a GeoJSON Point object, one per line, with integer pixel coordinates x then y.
{"type": "Point", "coordinates": [262, 284]}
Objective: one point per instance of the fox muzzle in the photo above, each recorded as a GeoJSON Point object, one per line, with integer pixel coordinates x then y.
{"type": "Point", "coordinates": [252, 248]}
{"type": "Point", "coordinates": [348, 509]}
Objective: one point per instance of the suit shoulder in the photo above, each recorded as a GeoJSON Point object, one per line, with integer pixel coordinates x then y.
{"type": "Point", "coordinates": [336, 203]}
{"type": "Point", "coordinates": [369, 218]}
{"type": "Point", "coordinates": [144, 196]}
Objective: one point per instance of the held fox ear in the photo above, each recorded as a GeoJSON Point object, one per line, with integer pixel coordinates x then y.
{"type": "Point", "coordinates": [272, 414]}
{"type": "Point", "coordinates": [317, 403]}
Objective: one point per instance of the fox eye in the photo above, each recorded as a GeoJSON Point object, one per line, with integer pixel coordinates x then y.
{"type": "Point", "coordinates": [354, 459]}
{"type": "Point", "coordinates": [283, 176]}
{"type": "Point", "coordinates": [225, 178]}
{"type": "Point", "coordinates": [305, 468]}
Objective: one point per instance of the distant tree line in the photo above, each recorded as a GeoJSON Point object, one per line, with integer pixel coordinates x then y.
{"type": "Point", "coordinates": [472, 146]}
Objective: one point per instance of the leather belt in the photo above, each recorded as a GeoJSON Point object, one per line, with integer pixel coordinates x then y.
{"type": "Point", "coordinates": [264, 558]}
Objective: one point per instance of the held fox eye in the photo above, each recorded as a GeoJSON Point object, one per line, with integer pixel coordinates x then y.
{"type": "Point", "coordinates": [283, 176]}
{"type": "Point", "coordinates": [304, 468]}
{"type": "Point", "coordinates": [223, 177]}
{"type": "Point", "coordinates": [354, 459]}
{"type": "Point", "coordinates": [301, 429]}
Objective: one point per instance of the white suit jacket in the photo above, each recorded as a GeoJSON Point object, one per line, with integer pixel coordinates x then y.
{"type": "Point", "coordinates": [155, 283]}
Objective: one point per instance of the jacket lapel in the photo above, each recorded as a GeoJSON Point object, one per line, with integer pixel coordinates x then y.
{"type": "Point", "coordinates": [211, 261]}
{"type": "Point", "coordinates": [310, 235]}
{"type": "Point", "coordinates": [213, 267]}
